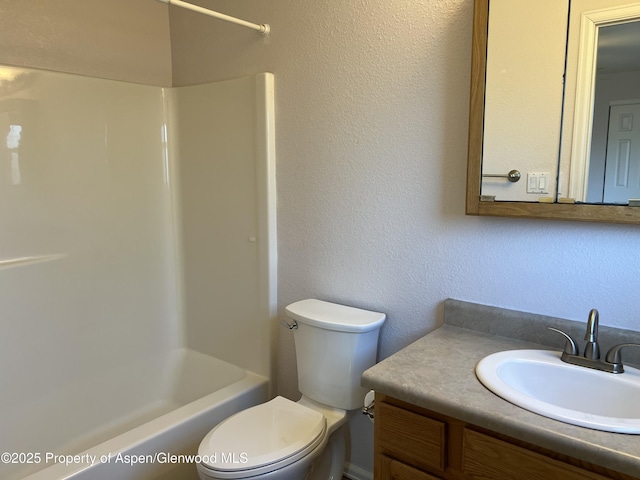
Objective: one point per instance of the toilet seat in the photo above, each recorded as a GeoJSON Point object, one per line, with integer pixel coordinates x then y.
{"type": "Point", "coordinates": [262, 439]}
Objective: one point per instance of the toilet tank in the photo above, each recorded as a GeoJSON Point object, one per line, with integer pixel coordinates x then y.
{"type": "Point", "coordinates": [334, 344]}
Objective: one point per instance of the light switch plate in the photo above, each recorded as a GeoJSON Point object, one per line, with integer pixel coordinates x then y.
{"type": "Point", "coordinates": [537, 182]}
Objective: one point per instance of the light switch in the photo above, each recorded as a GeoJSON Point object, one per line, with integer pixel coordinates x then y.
{"type": "Point", "coordinates": [537, 182]}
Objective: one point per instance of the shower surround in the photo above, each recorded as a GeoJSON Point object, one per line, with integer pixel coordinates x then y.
{"type": "Point", "coordinates": [138, 241]}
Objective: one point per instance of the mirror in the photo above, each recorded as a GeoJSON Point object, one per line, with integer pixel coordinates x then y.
{"type": "Point", "coordinates": [519, 121]}
{"type": "Point", "coordinates": [601, 164]}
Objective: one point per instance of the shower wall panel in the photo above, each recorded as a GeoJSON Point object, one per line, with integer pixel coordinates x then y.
{"type": "Point", "coordinates": [83, 187]}
{"type": "Point", "coordinates": [134, 220]}
{"type": "Point", "coordinates": [221, 141]}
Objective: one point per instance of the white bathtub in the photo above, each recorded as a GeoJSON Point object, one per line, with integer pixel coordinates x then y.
{"type": "Point", "coordinates": [137, 423]}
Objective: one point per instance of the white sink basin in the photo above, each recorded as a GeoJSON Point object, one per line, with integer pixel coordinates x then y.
{"type": "Point", "coordinates": [538, 381]}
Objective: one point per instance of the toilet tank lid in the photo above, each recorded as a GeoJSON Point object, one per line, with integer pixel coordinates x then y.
{"type": "Point", "coordinates": [333, 316]}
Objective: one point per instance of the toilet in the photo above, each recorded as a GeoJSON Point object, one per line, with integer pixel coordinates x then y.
{"type": "Point", "coordinates": [303, 440]}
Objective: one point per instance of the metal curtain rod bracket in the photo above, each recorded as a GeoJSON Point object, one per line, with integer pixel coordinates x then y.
{"type": "Point", "coordinates": [264, 29]}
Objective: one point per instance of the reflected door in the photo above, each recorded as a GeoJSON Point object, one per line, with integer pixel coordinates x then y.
{"type": "Point", "coordinates": [622, 169]}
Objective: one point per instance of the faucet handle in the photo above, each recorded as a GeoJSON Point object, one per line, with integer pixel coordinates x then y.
{"type": "Point", "coordinates": [570, 346]}
{"type": "Point", "coordinates": [614, 356]}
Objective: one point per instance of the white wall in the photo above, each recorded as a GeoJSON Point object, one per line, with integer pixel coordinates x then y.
{"type": "Point", "coordinates": [372, 107]}
{"type": "Point", "coordinates": [524, 86]}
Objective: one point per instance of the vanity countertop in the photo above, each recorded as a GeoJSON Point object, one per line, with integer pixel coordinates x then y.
{"type": "Point", "coordinates": [437, 372]}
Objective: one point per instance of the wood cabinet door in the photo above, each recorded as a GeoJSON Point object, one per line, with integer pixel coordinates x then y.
{"type": "Point", "coordinates": [410, 437]}
{"type": "Point", "coordinates": [395, 470]}
{"type": "Point", "coordinates": [486, 457]}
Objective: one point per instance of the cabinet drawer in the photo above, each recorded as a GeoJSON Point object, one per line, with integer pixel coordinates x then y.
{"type": "Point", "coordinates": [411, 437]}
{"type": "Point", "coordinates": [393, 469]}
{"type": "Point", "coordinates": [487, 457]}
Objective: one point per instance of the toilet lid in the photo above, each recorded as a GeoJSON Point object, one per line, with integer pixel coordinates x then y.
{"type": "Point", "coordinates": [261, 435]}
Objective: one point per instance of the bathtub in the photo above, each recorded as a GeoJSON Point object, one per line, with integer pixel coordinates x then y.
{"type": "Point", "coordinates": [150, 418]}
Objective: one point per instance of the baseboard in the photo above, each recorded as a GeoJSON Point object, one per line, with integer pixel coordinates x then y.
{"type": "Point", "coordinates": [356, 473]}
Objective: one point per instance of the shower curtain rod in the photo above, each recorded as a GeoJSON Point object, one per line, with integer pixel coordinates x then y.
{"type": "Point", "coordinates": [264, 29]}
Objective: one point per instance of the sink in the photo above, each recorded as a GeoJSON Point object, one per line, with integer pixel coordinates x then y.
{"type": "Point", "coordinates": [538, 381]}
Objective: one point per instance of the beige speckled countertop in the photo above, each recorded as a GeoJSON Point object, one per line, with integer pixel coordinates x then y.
{"type": "Point", "coordinates": [437, 372]}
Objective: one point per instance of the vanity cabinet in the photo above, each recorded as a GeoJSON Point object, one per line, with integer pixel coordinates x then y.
{"type": "Point", "coordinates": [412, 443]}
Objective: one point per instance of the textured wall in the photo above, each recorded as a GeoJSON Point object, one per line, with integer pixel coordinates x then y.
{"type": "Point", "coordinates": [371, 122]}
{"type": "Point", "coordinates": [118, 39]}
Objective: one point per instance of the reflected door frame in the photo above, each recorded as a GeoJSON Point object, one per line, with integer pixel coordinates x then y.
{"type": "Point", "coordinates": [585, 90]}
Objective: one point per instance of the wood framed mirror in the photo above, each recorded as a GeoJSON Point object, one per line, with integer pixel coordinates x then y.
{"type": "Point", "coordinates": [551, 208]}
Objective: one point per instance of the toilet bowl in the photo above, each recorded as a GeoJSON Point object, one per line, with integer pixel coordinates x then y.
{"type": "Point", "coordinates": [279, 439]}
{"type": "Point", "coordinates": [286, 440]}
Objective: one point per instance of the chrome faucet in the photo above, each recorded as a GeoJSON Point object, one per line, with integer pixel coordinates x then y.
{"type": "Point", "coordinates": [592, 350]}
{"type": "Point", "coordinates": [591, 357]}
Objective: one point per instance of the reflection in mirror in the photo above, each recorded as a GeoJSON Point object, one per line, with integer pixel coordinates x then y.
{"type": "Point", "coordinates": [613, 174]}
{"type": "Point", "coordinates": [523, 97]}
{"type": "Point", "coordinates": [615, 135]}
{"type": "Point", "coordinates": [603, 68]}
{"type": "Point", "coordinates": [523, 102]}
{"type": "Point", "coordinates": [488, 195]}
